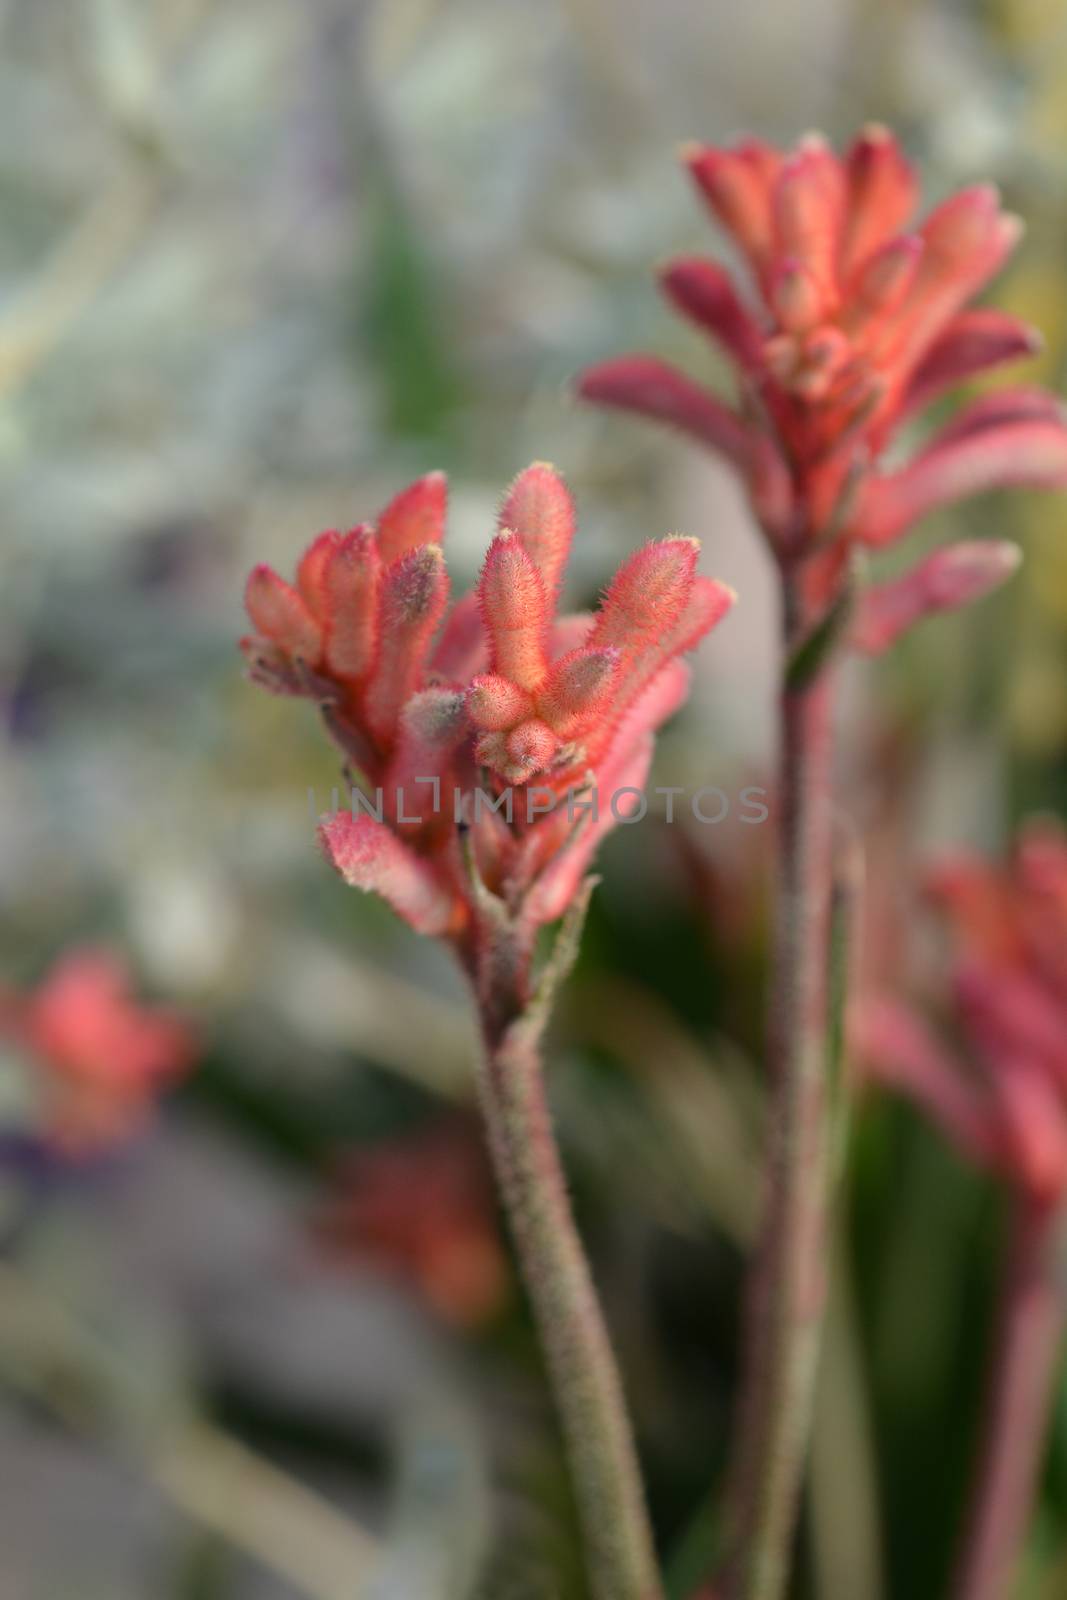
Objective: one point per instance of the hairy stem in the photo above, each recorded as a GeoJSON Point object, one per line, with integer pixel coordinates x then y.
{"type": "Point", "coordinates": [1028, 1339]}
{"type": "Point", "coordinates": [788, 1280]}
{"type": "Point", "coordinates": [581, 1364]}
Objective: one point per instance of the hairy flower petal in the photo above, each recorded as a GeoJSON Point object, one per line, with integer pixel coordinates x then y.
{"type": "Point", "coordinates": [351, 586]}
{"type": "Point", "coordinates": [738, 186]}
{"type": "Point", "coordinates": [704, 292]}
{"type": "Point", "coordinates": [1031, 453]}
{"type": "Point", "coordinates": [898, 1048]}
{"type": "Point", "coordinates": [414, 595]}
{"type": "Point", "coordinates": [279, 614]}
{"type": "Point", "coordinates": [972, 342]}
{"type": "Point", "coordinates": [495, 703]}
{"type": "Point", "coordinates": [578, 689]}
{"type": "Point", "coordinates": [539, 508]}
{"type": "Point", "coordinates": [945, 581]}
{"type": "Point", "coordinates": [647, 596]}
{"type": "Point", "coordinates": [415, 517]}
{"type": "Point", "coordinates": [654, 389]}
{"type": "Point", "coordinates": [312, 566]}
{"type": "Point", "coordinates": [369, 855]}
{"type": "Point", "coordinates": [883, 192]}
{"type": "Point", "coordinates": [515, 611]}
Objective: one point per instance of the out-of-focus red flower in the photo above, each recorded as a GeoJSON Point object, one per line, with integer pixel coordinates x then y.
{"type": "Point", "coordinates": [1001, 1090]}
{"type": "Point", "coordinates": [100, 1057]}
{"type": "Point", "coordinates": [423, 1208]}
{"type": "Point", "coordinates": [859, 317]}
{"type": "Point", "coordinates": [428, 703]}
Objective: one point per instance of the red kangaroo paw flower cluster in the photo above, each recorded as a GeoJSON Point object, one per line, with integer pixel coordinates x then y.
{"type": "Point", "coordinates": [423, 1208]}
{"type": "Point", "coordinates": [1001, 1091]}
{"type": "Point", "coordinates": [99, 1057]}
{"type": "Point", "coordinates": [858, 318]}
{"type": "Point", "coordinates": [555, 714]}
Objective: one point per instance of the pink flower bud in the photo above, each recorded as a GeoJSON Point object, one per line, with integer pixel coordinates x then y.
{"type": "Point", "coordinates": [351, 583]}
{"type": "Point", "coordinates": [538, 507]}
{"type": "Point", "coordinates": [654, 389]}
{"type": "Point", "coordinates": [515, 611]}
{"type": "Point", "coordinates": [808, 212]}
{"type": "Point", "coordinates": [531, 746]}
{"type": "Point", "coordinates": [884, 280]}
{"type": "Point", "coordinates": [962, 461]}
{"type": "Point", "coordinates": [433, 724]}
{"type": "Point", "coordinates": [972, 342]}
{"type": "Point", "coordinates": [737, 185]}
{"type": "Point", "coordinates": [647, 595]}
{"type": "Point", "coordinates": [495, 703]}
{"type": "Point", "coordinates": [415, 517]}
{"type": "Point", "coordinates": [279, 614]}
{"type": "Point", "coordinates": [578, 690]}
{"type": "Point", "coordinates": [369, 856]}
{"type": "Point", "coordinates": [796, 298]}
{"type": "Point", "coordinates": [882, 193]}
{"type": "Point", "coordinates": [414, 595]}
{"type": "Point", "coordinates": [311, 568]}
{"type": "Point", "coordinates": [945, 581]}
{"type": "Point", "coordinates": [704, 292]}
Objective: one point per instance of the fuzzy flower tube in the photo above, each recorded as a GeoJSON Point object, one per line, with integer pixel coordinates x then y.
{"type": "Point", "coordinates": [493, 744]}
{"type": "Point", "coordinates": [993, 1073]}
{"type": "Point", "coordinates": [854, 319]}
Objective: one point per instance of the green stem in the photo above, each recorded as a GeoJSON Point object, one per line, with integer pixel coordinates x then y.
{"type": "Point", "coordinates": [1029, 1338]}
{"type": "Point", "coordinates": [581, 1364]}
{"type": "Point", "coordinates": [789, 1277]}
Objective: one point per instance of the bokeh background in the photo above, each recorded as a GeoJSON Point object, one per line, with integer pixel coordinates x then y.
{"type": "Point", "coordinates": [261, 263]}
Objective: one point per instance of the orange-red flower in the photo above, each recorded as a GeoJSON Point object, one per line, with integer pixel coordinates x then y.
{"type": "Point", "coordinates": [557, 713]}
{"type": "Point", "coordinates": [423, 1208]}
{"type": "Point", "coordinates": [1001, 1090]}
{"type": "Point", "coordinates": [859, 316]}
{"type": "Point", "coordinates": [99, 1057]}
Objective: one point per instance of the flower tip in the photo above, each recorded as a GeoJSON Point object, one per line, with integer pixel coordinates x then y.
{"type": "Point", "coordinates": [813, 142]}
{"type": "Point", "coordinates": [1006, 555]}
{"type": "Point", "coordinates": [877, 133]}
{"type": "Point", "coordinates": [418, 579]}
{"type": "Point", "coordinates": [414, 517]}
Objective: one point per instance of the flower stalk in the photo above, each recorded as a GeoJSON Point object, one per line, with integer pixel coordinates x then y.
{"type": "Point", "coordinates": [1028, 1342]}
{"type": "Point", "coordinates": [527, 735]}
{"type": "Point", "coordinates": [855, 316]}
{"type": "Point", "coordinates": [581, 1365]}
{"type": "Point", "coordinates": [787, 1293]}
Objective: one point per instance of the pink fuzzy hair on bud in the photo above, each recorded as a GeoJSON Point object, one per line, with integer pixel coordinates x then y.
{"type": "Point", "coordinates": [579, 689]}
{"type": "Point", "coordinates": [429, 703]}
{"type": "Point", "coordinates": [945, 581]}
{"type": "Point", "coordinates": [647, 596]}
{"type": "Point", "coordinates": [351, 583]}
{"type": "Point", "coordinates": [515, 611]}
{"type": "Point", "coordinates": [415, 517]}
{"type": "Point", "coordinates": [312, 567]}
{"type": "Point", "coordinates": [494, 703]}
{"type": "Point", "coordinates": [539, 509]}
{"type": "Point", "coordinates": [369, 856]}
{"type": "Point", "coordinates": [856, 316]}
{"type": "Point", "coordinates": [280, 615]}
{"type": "Point", "coordinates": [414, 596]}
